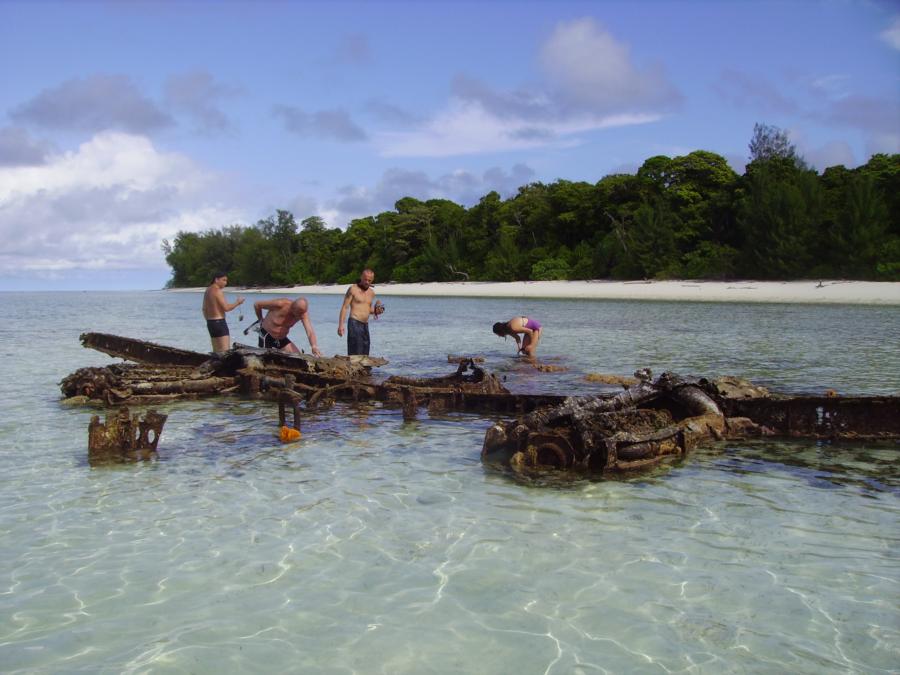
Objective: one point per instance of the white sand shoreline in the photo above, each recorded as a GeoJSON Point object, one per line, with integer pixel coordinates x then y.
{"type": "Point", "coordinates": [801, 292]}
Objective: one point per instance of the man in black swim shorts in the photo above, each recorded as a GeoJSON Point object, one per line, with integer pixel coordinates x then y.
{"type": "Point", "coordinates": [281, 315]}
{"type": "Point", "coordinates": [214, 308]}
{"type": "Point", "coordinates": [266, 341]}
{"type": "Point", "coordinates": [360, 300]}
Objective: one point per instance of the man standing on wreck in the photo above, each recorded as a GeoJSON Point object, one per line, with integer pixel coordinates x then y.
{"type": "Point", "coordinates": [282, 314]}
{"type": "Point", "coordinates": [214, 308]}
{"type": "Point", "coordinates": [360, 299]}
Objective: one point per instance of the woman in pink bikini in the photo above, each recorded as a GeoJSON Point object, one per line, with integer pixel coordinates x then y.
{"type": "Point", "coordinates": [530, 328]}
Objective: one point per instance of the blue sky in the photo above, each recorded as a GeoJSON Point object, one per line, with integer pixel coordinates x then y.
{"type": "Point", "coordinates": [124, 123]}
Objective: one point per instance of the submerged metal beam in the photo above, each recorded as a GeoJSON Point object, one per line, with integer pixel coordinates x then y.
{"type": "Point", "coordinates": [843, 418]}
{"type": "Point", "coordinates": [140, 351]}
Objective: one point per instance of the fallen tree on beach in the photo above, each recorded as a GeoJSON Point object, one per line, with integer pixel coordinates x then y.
{"type": "Point", "coordinates": [649, 421]}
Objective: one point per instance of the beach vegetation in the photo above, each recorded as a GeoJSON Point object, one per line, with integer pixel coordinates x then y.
{"type": "Point", "coordinates": [690, 216]}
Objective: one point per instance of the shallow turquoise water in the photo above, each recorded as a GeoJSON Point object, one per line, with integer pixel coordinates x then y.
{"type": "Point", "coordinates": [378, 546]}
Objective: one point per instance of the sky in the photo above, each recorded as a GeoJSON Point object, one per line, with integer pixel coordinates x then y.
{"type": "Point", "coordinates": [124, 123]}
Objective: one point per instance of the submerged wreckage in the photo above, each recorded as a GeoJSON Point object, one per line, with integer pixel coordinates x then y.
{"type": "Point", "coordinates": [648, 421]}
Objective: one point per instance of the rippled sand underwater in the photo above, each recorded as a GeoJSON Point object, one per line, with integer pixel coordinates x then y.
{"type": "Point", "coordinates": [378, 545]}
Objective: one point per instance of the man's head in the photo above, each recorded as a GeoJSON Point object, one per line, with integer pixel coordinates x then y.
{"type": "Point", "coordinates": [299, 307]}
{"type": "Point", "coordinates": [366, 278]}
{"type": "Point", "coordinates": [220, 279]}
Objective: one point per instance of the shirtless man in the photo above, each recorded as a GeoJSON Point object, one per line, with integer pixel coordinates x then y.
{"type": "Point", "coordinates": [281, 315]}
{"type": "Point", "coordinates": [360, 299]}
{"type": "Point", "coordinates": [214, 308]}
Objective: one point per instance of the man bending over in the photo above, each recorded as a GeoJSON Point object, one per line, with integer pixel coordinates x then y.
{"type": "Point", "coordinates": [281, 315]}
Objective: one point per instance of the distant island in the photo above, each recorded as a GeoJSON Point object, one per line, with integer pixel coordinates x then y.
{"type": "Point", "coordinates": [687, 217]}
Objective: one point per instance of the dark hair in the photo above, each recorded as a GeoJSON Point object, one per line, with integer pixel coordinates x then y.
{"type": "Point", "coordinates": [218, 275]}
{"type": "Point", "coordinates": [501, 328]}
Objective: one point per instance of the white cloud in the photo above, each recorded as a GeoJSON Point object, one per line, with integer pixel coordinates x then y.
{"type": "Point", "coordinates": [832, 153]}
{"type": "Point", "coordinates": [591, 83]}
{"type": "Point", "coordinates": [832, 86]}
{"type": "Point", "coordinates": [335, 124]}
{"type": "Point", "coordinates": [891, 35]}
{"type": "Point", "coordinates": [108, 159]}
{"type": "Point", "coordinates": [198, 94]}
{"type": "Point", "coordinates": [107, 205]}
{"type": "Point", "coordinates": [742, 89]}
{"type": "Point", "coordinates": [461, 186]}
{"type": "Point", "coordinates": [18, 148]}
{"type": "Point", "coordinates": [595, 72]}
{"type": "Point", "coordinates": [466, 127]}
{"type": "Point", "coordinates": [883, 143]}
{"type": "Point", "coordinates": [93, 104]}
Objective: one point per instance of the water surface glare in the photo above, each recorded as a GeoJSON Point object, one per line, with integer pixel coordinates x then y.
{"type": "Point", "coordinates": [376, 545]}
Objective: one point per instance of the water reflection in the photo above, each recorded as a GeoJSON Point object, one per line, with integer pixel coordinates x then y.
{"type": "Point", "coordinates": [872, 467]}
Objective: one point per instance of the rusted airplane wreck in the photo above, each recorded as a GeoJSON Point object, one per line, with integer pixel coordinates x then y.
{"type": "Point", "coordinates": [647, 422]}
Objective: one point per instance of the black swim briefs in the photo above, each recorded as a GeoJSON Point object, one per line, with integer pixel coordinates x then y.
{"type": "Point", "coordinates": [217, 327]}
{"type": "Point", "coordinates": [266, 341]}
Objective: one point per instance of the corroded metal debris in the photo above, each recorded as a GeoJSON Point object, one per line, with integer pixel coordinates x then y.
{"type": "Point", "coordinates": [646, 422]}
{"type": "Point", "coordinates": [140, 351]}
{"type": "Point", "coordinates": [271, 374]}
{"type": "Point", "coordinates": [654, 420]}
{"type": "Point", "coordinates": [124, 437]}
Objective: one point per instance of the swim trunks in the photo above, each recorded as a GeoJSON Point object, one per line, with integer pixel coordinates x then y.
{"type": "Point", "coordinates": [357, 337]}
{"type": "Point", "coordinates": [532, 324]}
{"type": "Point", "coordinates": [266, 341]}
{"type": "Point", "coordinates": [217, 327]}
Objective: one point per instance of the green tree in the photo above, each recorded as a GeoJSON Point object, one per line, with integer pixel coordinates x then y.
{"type": "Point", "coordinates": [863, 230]}
{"type": "Point", "coordinates": [656, 174]}
{"type": "Point", "coordinates": [186, 258]}
{"type": "Point", "coordinates": [700, 190]}
{"type": "Point", "coordinates": [281, 232]}
{"type": "Point", "coordinates": [575, 212]}
{"type": "Point", "coordinates": [531, 214]}
{"type": "Point", "coordinates": [780, 213]}
{"type": "Point", "coordinates": [255, 258]}
{"type": "Point", "coordinates": [480, 233]}
{"type": "Point", "coordinates": [317, 261]}
{"type": "Point", "coordinates": [552, 268]}
{"type": "Point", "coordinates": [711, 260]}
{"type": "Point", "coordinates": [648, 244]}
{"type": "Point", "coordinates": [361, 246]}
{"type": "Point", "coordinates": [195, 258]}
{"type": "Point", "coordinates": [769, 142]}
{"type": "Point", "coordinates": [885, 171]}
{"type": "Point", "coordinates": [505, 261]}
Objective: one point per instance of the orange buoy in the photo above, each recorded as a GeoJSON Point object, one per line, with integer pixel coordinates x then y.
{"type": "Point", "coordinates": [289, 434]}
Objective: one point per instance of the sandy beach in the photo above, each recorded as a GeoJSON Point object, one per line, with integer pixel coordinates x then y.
{"type": "Point", "coordinates": [806, 292]}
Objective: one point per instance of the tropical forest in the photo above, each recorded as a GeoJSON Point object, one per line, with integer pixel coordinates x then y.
{"type": "Point", "coordinates": [686, 217]}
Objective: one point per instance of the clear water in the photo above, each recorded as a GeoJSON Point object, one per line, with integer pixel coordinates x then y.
{"type": "Point", "coordinates": [378, 546]}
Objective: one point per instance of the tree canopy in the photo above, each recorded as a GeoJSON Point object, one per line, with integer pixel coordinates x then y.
{"type": "Point", "coordinates": [690, 216]}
